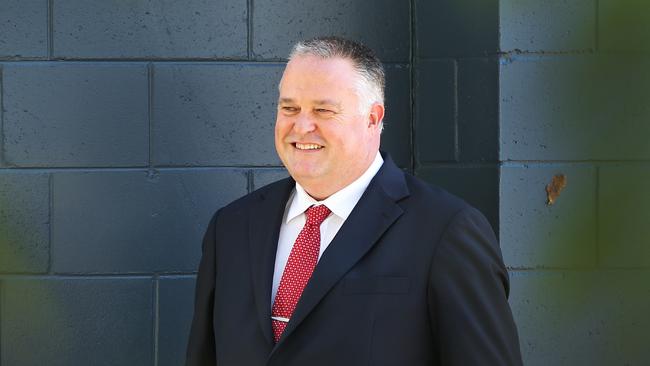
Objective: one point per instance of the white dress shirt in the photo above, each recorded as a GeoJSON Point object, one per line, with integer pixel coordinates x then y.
{"type": "Point", "coordinates": [340, 203]}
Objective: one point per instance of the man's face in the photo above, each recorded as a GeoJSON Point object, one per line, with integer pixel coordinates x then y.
{"type": "Point", "coordinates": [322, 136]}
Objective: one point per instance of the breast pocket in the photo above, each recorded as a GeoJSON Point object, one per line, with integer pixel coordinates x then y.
{"type": "Point", "coordinates": [376, 285]}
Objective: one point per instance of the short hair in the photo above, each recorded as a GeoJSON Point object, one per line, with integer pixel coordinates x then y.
{"type": "Point", "coordinates": [364, 60]}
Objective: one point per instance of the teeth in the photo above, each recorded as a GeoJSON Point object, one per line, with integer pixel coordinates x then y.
{"type": "Point", "coordinates": [308, 146]}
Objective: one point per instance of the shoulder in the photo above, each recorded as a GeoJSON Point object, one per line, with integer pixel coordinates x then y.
{"type": "Point", "coordinates": [429, 198]}
{"type": "Point", "coordinates": [415, 196]}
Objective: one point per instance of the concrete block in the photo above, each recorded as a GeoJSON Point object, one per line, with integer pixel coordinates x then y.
{"type": "Point", "coordinates": [24, 222]}
{"type": "Point", "coordinates": [77, 321]}
{"type": "Point", "coordinates": [623, 25]}
{"type": "Point", "coordinates": [262, 177]}
{"type": "Point", "coordinates": [623, 215]}
{"type": "Point", "coordinates": [534, 234]}
{"type": "Point", "coordinates": [478, 110]}
{"type": "Point", "coordinates": [452, 28]}
{"type": "Point", "coordinates": [478, 185]}
{"type": "Point", "coordinates": [435, 111]}
{"type": "Point", "coordinates": [396, 137]}
{"type": "Point", "coordinates": [215, 114]}
{"type": "Point", "coordinates": [547, 25]}
{"type": "Point", "coordinates": [383, 25]}
{"type": "Point", "coordinates": [134, 221]}
{"type": "Point", "coordinates": [73, 114]}
{"type": "Point", "coordinates": [23, 28]}
{"type": "Point", "coordinates": [175, 309]}
{"type": "Point", "coordinates": [150, 29]}
{"type": "Point", "coordinates": [579, 107]}
{"type": "Point", "coordinates": [582, 317]}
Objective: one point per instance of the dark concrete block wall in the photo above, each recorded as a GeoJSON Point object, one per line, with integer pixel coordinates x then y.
{"type": "Point", "coordinates": [456, 99]}
{"type": "Point", "coordinates": [24, 222]}
{"type": "Point", "coordinates": [75, 114]}
{"type": "Point", "coordinates": [24, 28]}
{"type": "Point", "coordinates": [573, 317]}
{"type": "Point", "coordinates": [383, 25]}
{"type": "Point", "coordinates": [77, 321]}
{"type": "Point", "coordinates": [510, 93]}
{"type": "Point", "coordinates": [573, 100]}
{"type": "Point", "coordinates": [141, 29]}
{"type": "Point", "coordinates": [147, 221]}
{"type": "Point", "coordinates": [124, 126]}
{"type": "Point", "coordinates": [196, 122]}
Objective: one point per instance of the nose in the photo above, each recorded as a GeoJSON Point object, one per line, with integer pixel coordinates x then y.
{"type": "Point", "coordinates": [304, 124]}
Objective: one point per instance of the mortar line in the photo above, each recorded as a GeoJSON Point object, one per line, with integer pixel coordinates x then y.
{"type": "Point", "coordinates": [249, 24]}
{"type": "Point", "coordinates": [93, 276]}
{"type": "Point", "coordinates": [1, 304]}
{"type": "Point", "coordinates": [466, 164]}
{"type": "Point", "coordinates": [596, 22]}
{"type": "Point", "coordinates": [551, 270]}
{"type": "Point", "coordinates": [50, 184]}
{"type": "Point", "coordinates": [2, 118]}
{"type": "Point", "coordinates": [250, 179]}
{"type": "Point", "coordinates": [497, 101]}
{"type": "Point", "coordinates": [140, 168]}
{"type": "Point", "coordinates": [425, 164]}
{"type": "Point", "coordinates": [156, 318]}
{"type": "Point", "coordinates": [456, 114]}
{"type": "Point", "coordinates": [597, 214]}
{"type": "Point", "coordinates": [150, 72]}
{"type": "Point", "coordinates": [518, 52]}
{"type": "Point", "coordinates": [237, 62]}
{"type": "Point", "coordinates": [50, 29]}
{"type": "Point", "coordinates": [412, 96]}
{"type": "Point", "coordinates": [577, 161]}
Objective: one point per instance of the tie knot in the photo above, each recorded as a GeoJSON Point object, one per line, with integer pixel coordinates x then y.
{"type": "Point", "coordinates": [317, 214]}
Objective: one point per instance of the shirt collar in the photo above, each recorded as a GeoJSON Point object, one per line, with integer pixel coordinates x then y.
{"type": "Point", "coordinates": [340, 203]}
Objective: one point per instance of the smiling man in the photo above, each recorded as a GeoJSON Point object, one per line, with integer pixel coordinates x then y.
{"type": "Point", "coordinates": [327, 131]}
{"type": "Point", "coordinates": [350, 261]}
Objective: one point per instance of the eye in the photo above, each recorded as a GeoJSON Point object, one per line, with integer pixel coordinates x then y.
{"type": "Point", "coordinates": [323, 110]}
{"type": "Point", "coordinates": [289, 109]}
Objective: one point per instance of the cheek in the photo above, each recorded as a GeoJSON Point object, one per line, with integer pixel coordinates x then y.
{"type": "Point", "coordinates": [280, 128]}
{"type": "Point", "coordinates": [279, 136]}
{"type": "Point", "coordinates": [355, 137]}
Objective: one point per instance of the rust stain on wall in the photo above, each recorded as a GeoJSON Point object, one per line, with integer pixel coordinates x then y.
{"type": "Point", "coordinates": [554, 188]}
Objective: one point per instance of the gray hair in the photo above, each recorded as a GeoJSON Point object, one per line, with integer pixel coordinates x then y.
{"type": "Point", "coordinates": [372, 79]}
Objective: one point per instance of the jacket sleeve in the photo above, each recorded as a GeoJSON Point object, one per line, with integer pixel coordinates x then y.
{"type": "Point", "coordinates": [468, 296]}
{"type": "Point", "coordinates": [200, 348]}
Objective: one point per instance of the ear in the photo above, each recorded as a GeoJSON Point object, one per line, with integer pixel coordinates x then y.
{"type": "Point", "coordinates": [376, 115]}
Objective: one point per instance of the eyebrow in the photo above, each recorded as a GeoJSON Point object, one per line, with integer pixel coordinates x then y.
{"type": "Point", "coordinates": [317, 102]}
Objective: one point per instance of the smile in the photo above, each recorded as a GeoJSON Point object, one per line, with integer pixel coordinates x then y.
{"type": "Point", "coordinates": [300, 146]}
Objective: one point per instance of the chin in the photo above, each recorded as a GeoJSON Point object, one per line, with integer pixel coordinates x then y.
{"type": "Point", "coordinates": [303, 175]}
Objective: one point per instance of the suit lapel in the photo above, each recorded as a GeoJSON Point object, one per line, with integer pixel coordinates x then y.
{"type": "Point", "coordinates": [264, 228]}
{"type": "Point", "coordinates": [372, 216]}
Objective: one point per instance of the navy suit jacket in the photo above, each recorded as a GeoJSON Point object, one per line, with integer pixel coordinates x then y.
{"type": "Point", "coordinates": [413, 277]}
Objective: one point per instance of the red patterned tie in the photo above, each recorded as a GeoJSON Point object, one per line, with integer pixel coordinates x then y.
{"type": "Point", "coordinates": [300, 265]}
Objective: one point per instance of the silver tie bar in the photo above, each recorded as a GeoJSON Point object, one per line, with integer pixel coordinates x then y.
{"type": "Point", "coordinates": [280, 319]}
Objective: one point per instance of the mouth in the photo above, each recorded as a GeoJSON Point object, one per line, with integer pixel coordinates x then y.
{"type": "Point", "coordinates": [306, 147]}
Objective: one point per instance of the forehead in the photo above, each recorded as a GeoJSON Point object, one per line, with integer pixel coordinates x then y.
{"type": "Point", "coordinates": [307, 72]}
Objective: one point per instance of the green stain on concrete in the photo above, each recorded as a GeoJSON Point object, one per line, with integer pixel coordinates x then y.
{"type": "Point", "coordinates": [596, 107]}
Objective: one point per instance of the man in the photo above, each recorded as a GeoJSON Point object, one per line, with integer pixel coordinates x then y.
{"type": "Point", "coordinates": [350, 261]}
